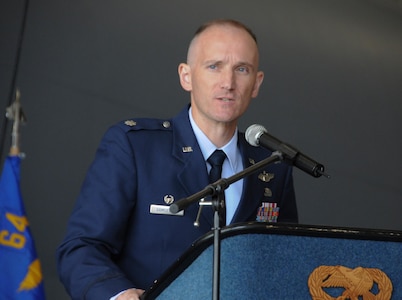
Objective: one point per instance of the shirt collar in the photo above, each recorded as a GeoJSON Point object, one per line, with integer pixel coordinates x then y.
{"type": "Point", "coordinates": [207, 147]}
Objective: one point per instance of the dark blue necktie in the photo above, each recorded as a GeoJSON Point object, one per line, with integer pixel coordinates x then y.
{"type": "Point", "coordinates": [216, 161]}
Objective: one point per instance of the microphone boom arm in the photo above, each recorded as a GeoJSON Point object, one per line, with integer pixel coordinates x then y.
{"type": "Point", "coordinates": [223, 183]}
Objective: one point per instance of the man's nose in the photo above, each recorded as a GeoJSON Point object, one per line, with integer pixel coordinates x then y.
{"type": "Point", "coordinates": [228, 80]}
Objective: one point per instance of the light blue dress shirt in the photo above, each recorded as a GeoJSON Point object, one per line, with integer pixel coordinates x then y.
{"type": "Point", "coordinates": [232, 165]}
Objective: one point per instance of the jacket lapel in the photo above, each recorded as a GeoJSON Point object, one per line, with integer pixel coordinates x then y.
{"type": "Point", "coordinates": [192, 174]}
{"type": "Point", "coordinates": [253, 189]}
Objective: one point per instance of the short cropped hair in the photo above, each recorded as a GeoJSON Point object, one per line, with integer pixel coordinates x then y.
{"type": "Point", "coordinates": [230, 22]}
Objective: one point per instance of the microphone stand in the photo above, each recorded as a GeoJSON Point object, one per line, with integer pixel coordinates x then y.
{"type": "Point", "coordinates": [217, 201]}
{"type": "Point", "coordinates": [217, 191]}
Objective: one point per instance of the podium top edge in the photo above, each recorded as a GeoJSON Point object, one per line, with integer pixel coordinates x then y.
{"type": "Point", "coordinates": [308, 230]}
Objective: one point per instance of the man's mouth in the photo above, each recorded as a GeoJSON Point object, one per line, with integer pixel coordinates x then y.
{"type": "Point", "coordinates": [224, 99]}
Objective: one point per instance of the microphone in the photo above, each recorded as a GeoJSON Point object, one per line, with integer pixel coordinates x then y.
{"type": "Point", "coordinates": [257, 135]}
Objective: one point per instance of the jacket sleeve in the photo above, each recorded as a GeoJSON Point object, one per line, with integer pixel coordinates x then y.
{"type": "Point", "coordinates": [95, 232]}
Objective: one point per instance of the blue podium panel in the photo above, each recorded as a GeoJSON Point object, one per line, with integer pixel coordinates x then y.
{"type": "Point", "coordinates": [275, 262]}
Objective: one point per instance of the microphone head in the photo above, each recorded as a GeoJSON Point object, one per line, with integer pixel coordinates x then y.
{"type": "Point", "coordinates": [253, 134]}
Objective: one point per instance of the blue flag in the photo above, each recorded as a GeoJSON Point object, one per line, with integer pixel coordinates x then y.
{"type": "Point", "coordinates": [20, 270]}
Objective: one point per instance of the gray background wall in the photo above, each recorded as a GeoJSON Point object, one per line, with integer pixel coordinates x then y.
{"type": "Point", "coordinates": [333, 88]}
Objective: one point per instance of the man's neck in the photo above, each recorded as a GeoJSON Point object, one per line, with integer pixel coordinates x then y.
{"type": "Point", "coordinates": [219, 133]}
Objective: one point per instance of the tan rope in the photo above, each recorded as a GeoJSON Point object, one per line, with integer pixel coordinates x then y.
{"type": "Point", "coordinates": [355, 282]}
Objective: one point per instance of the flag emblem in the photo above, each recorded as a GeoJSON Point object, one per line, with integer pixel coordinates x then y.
{"type": "Point", "coordinates": [21, 276]}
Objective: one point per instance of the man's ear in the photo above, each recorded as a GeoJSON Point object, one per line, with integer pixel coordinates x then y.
{"type": "Point", "coordinates": [185, 76]}
{"type": "Point", "coordinates": [258, 82]}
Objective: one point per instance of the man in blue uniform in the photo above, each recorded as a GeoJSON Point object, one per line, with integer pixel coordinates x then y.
{"type": "Point", "coordinates": [121, 235]}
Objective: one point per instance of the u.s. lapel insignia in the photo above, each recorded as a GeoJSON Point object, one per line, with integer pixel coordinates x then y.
{"type": "Point", "coordinates": [169, 199]}
{"type": "Point", "coordinates": [252, 161]}
{"type": "Point", "coordinates": [266, 177]}
{"type": "Point", "coordinates": [130, 123]}
{"type": "Point", "coordinates": [187, 149]}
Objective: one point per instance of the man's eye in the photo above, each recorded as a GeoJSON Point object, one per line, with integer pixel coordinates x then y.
{"type": "Point", "coordinates": [213, 67]}
{"type": "Point", "coordinates": [242, 69]}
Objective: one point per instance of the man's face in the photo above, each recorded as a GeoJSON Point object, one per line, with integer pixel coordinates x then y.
{"type": "Point", "coordinates": [221, 74]}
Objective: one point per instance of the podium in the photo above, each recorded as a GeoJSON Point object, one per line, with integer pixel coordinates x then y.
{"type": "Point", "coordinates": [276, 261]}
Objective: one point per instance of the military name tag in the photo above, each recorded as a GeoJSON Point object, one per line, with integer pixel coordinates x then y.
{"type": "Point", "coordinates": [163, 210]}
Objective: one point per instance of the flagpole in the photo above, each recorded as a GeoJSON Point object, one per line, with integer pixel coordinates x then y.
{"type": "Point", "coordinates": [14, 112]}
{"type": "Point", "coordinates": [3, 131]}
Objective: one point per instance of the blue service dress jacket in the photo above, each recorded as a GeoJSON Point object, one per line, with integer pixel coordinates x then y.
{"type": "Point", "coordinates": [113, 241]}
